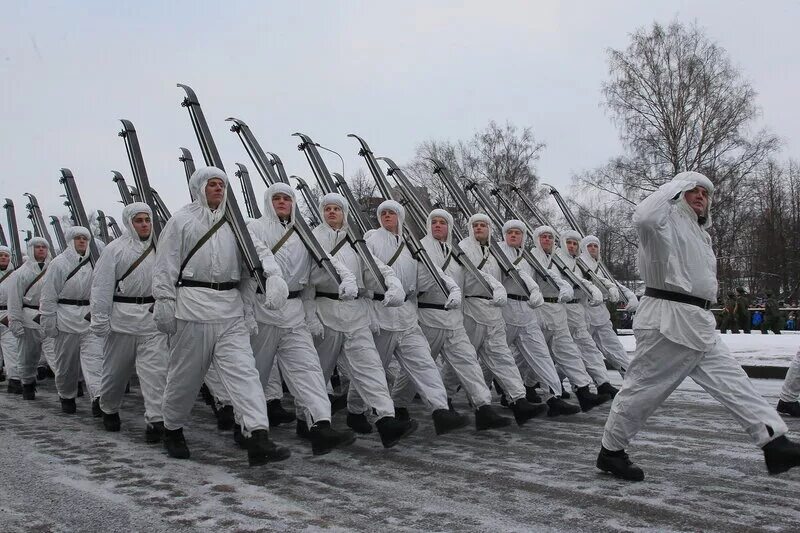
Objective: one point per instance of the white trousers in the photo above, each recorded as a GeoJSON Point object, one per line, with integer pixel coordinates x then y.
{"type": "Point", "coordinates": [293, 349]}
{"type": "Point", "coordinates": [357, 356]}
{"type": "Point", "coordinates": [30, 350]}
{"type": "Point", "coordinates": [660, 365]}
{"type": "Point", "coordinates": [530, 351]}
{"type": "Point", "coordinates": [566, 355]}
{"type": "Point", "coordinates": [148, 356]}
{"type": "Point", "coordinates": [10, 346]}
{"type": "Point", "coordinates": [454, 347]}
{"type": "Point", "coordinates": [74, 351]}
{"type": "Point", "coordinates": [413, 353]}
{"type": "Point", "coordinates": [791, 385]}
{"type": "Point", "coordinates": [493, 351]}
{"type": "Point", "coordinates": [592, 356]}
{"type": "Point", "coordinates": [608, 342]}
{"type": "Point", "coordinates": [217, 389]}
{"type": "Point", "coordinates": [225, 346]}
{"type": "Point", "coordinates": [274, 388]}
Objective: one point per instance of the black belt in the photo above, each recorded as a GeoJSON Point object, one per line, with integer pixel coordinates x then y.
{"type": "Point", "coordinates": [295, 294]}
{"type": "Point", "coordinates": [551, 300]}
{"type": "Point", "coordinates": [573, 301]}
{"type": "Point", "coordinates": [329, 295]}
{"type": "Point", "coordinates": [517, 297]}
{"type": "Point", "coordinates": [217, 286]}
{"type": "Point", "coordinates": [79, 303]}
{"type": "Point", "coordinates": [677, 297]}
{"type": "Point", "coordinates": [380, 297]}
{"type": "Point", "coordinates": [3, 307]}
{"type": "Point", "coordinates": [481, 297]}
{"type": "Point", "coordinates": [134, 299]}
{"type": "Point", "coordinates": [31, 306]}
{"type": "Point", "coordinates": [425, 305]}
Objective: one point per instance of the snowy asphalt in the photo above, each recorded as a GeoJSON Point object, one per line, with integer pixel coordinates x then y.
{"type": "Point", "coordinates": [64, 473]}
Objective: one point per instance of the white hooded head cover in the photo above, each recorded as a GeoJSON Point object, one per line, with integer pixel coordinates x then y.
{"type": "Point", "coordinates": [7, 250]}
{"type": "Point", "coordinates": [129, 213]}
{"type": "Point", "coordinates": [585, 255]}
{"type": "Point", "coordinates": [336, 199]}
{"type": "Point", "coordinates": [543, 229]}
{"type": "Point", "coordinates": [76, 231]}
{"type": "Point", "coordinates": [197, 187]}
{"type": "Point", "coordinates": [391, 205]}
{"type": "Point", "coordinates": [478, 217]}
{"type": "Point", "coordinates": [516, 224]}
{"type": "Point", "coordinates": [702, 181]}
{"type": "Point", "coordinates": [441, 213]}
{"type": "Point", "coordinates": [30, 257]}
{"type": "Point", "coordinates": [272, 190]}
{"type": "Point", "coordinates": [566, 235]}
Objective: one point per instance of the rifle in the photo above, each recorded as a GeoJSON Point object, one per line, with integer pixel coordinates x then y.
{"type": "Point", "coordinates": [419, 212]}
{"type": "Point", "coordinates": [311, 201]}
{"type": "Point", "coordinates": [412, 241]}
{"type": "Point", "coordinates": [114, 227]}
{"type": "Point", "coordinates": [250, 202]}
{"type": "Point", "coordinates": [124, 192]}
{"type": "Point", "coordinates": [76, 208]}
{"type": "Point", "coordinates": [268, 176]}
{"type": "Point", "coordinates": [276, 162]}
{"type": "Point", "coordinates": [232, 212]}
{"type": "Point", "coordinates": [355, 234]}
{"type": "Point", "coordinates": [13, 231]}
{"type": "Point", "coordinates": [136, 160]}
{"type": "Point", "coordinates": [62, 241]}
{"type": "Point", "coordinates": [101, 221]}
{"type": "Point", "coordinates": [188, 163]}
{"type": "Point", "coordinates": [37, 219]}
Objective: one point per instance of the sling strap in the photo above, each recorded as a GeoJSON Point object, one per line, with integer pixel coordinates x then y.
{"type": "Point", "coordinates": [283, 240]}
{"type": "Point", "coordinates": [32, 283]}
{"type": "Point", "coordinates": [135, 264]}
{"type": "Point", "coordinates": [485, 258]}
{"type": "Point", "coordinates": [338, 246]}
{"type": "Point", "coordinates": [396, 253]}
{"type": "Point", "coordinates": [77, 268]}
{"type": "Point", "coordinates": [210, 233]}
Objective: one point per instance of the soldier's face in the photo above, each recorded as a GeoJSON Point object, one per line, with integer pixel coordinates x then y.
{"type": "Point", "coordinates": [697, 199]}
{"type": "Point", "coordinates": [514, 237]}
{"type": "Point", "coordinates": [546, 242]}
{"type": "Point", "coordinates": [142, 225]}
{"type": "Point", "coordinates": [283, 205]}
{"type": "Point", "coordinates": [81, 244]}
{"type": "Point", "coordinates": [594, 250]}
{"type": "Point", "coordinates": [39, 252]}
{"type": "Point", "coordinates": [334, 215]}
{"type": "Point", "coordinates": [572, 247]}
{"type": "Point", "coordinates": [5, 259]}
{"type": "Point", "coordinates": [439, 228]}
{"type": "Point", "coordinates": [389, 220]}
{"type": "Point", "coordinates": [215, 191]}
{"type": "Point", "coordinates": [481, 231]}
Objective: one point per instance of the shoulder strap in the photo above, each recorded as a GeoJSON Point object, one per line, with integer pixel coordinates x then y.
{"type": "Point", "coordinates": [283, 240]}
{"type": "Point", "coordinates": [199, 245]}
{"type": "Point", "coordinates": [485, 258]}
{"type": "Point", "coordinates": [397, 253]}
{"type": "Point", "coordinates": [77, 268]}
{"type": "Point", "coordinates": [135, 264]}
{"type": "Point", "coordinates": [32, 283]}
{"type": "Point", "coordinates": [6, 277]}
{"type": "Point", "coordinates": [339, 246]}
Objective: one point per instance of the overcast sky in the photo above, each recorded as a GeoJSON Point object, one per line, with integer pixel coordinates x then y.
{"type": "Point", "coordinates": [395, 73]}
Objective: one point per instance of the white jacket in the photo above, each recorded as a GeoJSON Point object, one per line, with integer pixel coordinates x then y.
{"type": "Point", "coordinates": [218, 260]}
{"type": "Point", "coordinates": [481, 310]}
{"type": "Point", "coordinates": [517, 312]}
{"type": "Point", "coordinates": [675, 254]}
{"type": "Point", "coordinates": [116, 259]}
{"type": "Point", "coordinates": [570, 262]}
{"type": "Point", "coordinates": [70, 318]}
{"type": "Point", "coordinates": [5, 283]}
{"type": "Point", "coordinates": [429, 291]}
{"type": "Point", "coordinates": [24, 306]}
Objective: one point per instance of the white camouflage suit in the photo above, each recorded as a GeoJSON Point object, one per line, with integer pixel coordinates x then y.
{"type": "Point", "coordinates": [340, 324]}
{"type": "Point", "coordinates": [523, 332]}
{"type": "Point", "coordinates": [443, 325]}
{"type": "Point", "coordinates": [675, 340]}
{"type": "Point", "coordinates": [597, 316]}
{"type": "Point", "coordinates": [121, 315]}
{"type": "Point", "coordinates": [576, 312]}
{"type": "Point", "coordinates": [9, 345]}
{"type": "Point", "coordinates": [400, 335]}
{"type": "Point", "coordinates": [553, 317]}
{"type": "Point", "coordinates": [25, 286]}
{"type": "Point", "coordinates": [64, 305]}
{"type": "Point", "coordinates": [208, 327]}
{"type": "Point", "coordinates": [283, 335]}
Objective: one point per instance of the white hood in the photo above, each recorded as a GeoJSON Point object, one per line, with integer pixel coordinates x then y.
{"type": "Point", "coordinates": [702, 181]}
{"type": "Point", "coordinates": [565, 236]}
{"type": "Point", "coordinates": [391, 205]}
{"type": "Point", "coordinates": [479, 217]}
{"type": "Point", "coordinates": [129, 213]}
{"type": "Point", "coordinates": [516, 224]}
{"type": "Point", "coordinates": [197, 188]}
{"type": "Point", "coordinates": [69, 237]}
{"type": "Point", "coordinates": [544, 229]}
{"type": "Point", "coordinates": [10, 268]}
{"type": "Point", "coordinates": [337, 199]}
{"type": "Point", "coordinates": [585, 255]}
{"type": "Point", "coordinates": [272, 190]}
{"type": "Point", "coordinates": [29, 258]}
{"type": "Point", "coordinates": [441, 213]}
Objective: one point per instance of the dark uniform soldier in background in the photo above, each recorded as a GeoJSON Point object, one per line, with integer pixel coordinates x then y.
{"type": "Point", "coordinates": [743, 309]}
{"type": "Point", "coordinates": [772, 316]}
{"type": "Point", "coordinates": [728, 320]}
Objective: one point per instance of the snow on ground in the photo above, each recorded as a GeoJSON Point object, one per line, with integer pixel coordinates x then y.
{"type": "Point", "coordinates": [63, 473]}
{"type": "Point", "coordinates": [754, 349]}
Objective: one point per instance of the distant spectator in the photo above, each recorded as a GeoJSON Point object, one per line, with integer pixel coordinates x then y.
{"type": "Point", "coordinates": [757, 319]}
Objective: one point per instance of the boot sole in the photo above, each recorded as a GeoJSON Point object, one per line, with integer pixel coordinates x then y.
{"type": "Point", "coordinates": [325, 450]}
{"type": "Point", "coordinates": [611, 472]}
{"type": "Point", "coordinates": [496, 425]}
{"type": "Point", "coordinates": [412, 428]}
{"type": "Point", "coordinates": [264, 459]}
{"type": "Point", "coordinates": [538, 413]}
{"type": "Point", "coordinates": [442, 431]}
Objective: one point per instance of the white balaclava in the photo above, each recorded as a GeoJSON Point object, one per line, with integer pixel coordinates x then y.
{"type": "Point", "coordinates": [544, 229]}
{"type": "Point", "coordinates": [75, 231]}
{"type": "Point", "coordinates": [391, 205]}
{"type": "Point", "coordinates": [566, 235]}
{"type": "Point", "coordinates": [197, 186]}
{"type": "Point", "coordinates": [441, 213]}
{"type": "Point", "coordinates": [336, 199]}
{"type": "Point", "coordinates": [33, 242]}
{"type": "Point", "coordinates": [479, 217]}
{"type": "Point", "coordinates": [516, 224]}
{"type": "Point", "coordinates": [272, 190]}
{"type": "Point", "coordinates": [129, 213]}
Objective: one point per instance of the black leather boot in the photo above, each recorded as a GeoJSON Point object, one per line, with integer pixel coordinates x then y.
{"type": "Point", "coordinates": [487, 418]}
{"type": "Point", "coordinates": [324, 438]}
{"type": "Point", "coordinates": [781, 454]}
{"type": "Point", "coordinates": [445, 421]}
{"type": "Point", "coordinates": [531, 395]}
{"type": "Point", "coordinates": [154, 432]}
{"type": "Point", "coordinates": [261, 450]}
{"type": "Point", "coordinates": [68, 406]}
{"type": "Point", "coordinates": [96, 411]}
{"type": "Point", "coordinates": [225, 418]}
{"type": "Point", "coordinates": [302, 429]}
{"type": "Point", "coordinates": [29, 391]}
{"type": "Point", "coordinates": [392, 430]}
{"type": "Point", "coordinates": [359, 423]}
{"type": "Point", "coordinates": [607, 388]}
{"type": "Point", "coordinates": [524, 410]}
{"type": "Point", "coordinates": [557, 407]}
{"type": "Point", "coordinates": [111, 422]}
{"type": "Point", "coordinates": [784, 408]}
{"type": "Point", "coordinates": [618, 464]}
{"type": "Point", "coordinates": [401, 413]}
{"type": "Point", "coordinates": [175, 443]}
{"type": "Point", "coordinates": [277, 414]}
{"type": "Point", "coordinates": [588, 400]}
{"type": "Point", "coordinates": [14, 386]}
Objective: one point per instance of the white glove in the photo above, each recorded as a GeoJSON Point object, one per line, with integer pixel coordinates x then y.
{"type": "Point", "coordinates": [613, 294]}
{"type": "Point", "coordinates": [100, 326]}
{"type": "Point", "coordinates": [395, 294]}
{"type": "Point", "coordinates": [275, 292]}
{"type": "Point", "coordinates": [633, 301]}
{"type": "Point", "coordinates": [595, 296]}
{"type": "Point", "coordinates": [348, 288]}
{"type": "Point", "coordinates": [454, 300]}
{"type": "Point", "coordinates": [164, 316]}
{"type": "Point", "coordinates": [374, 323]}
{"type": "Point", "coordinates": [17, 329]}
{"type": "Point", "coordinates": [49, 326]}
{"type": "Point", "coordinates": [250, 322]}
{"type": "Point", "coordinates": [535, 299]}
{"type": "Point", "coordinates": [565, 292]}
{"type": "Point", "coordinates": [499, 294]}
{"type": "Point", "coordinates": [312, 320]}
